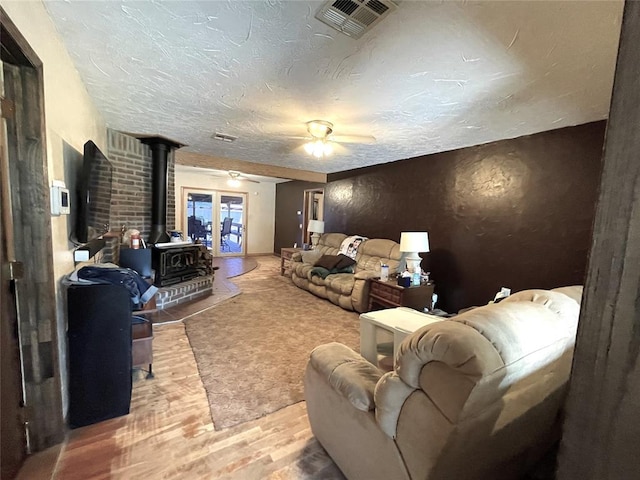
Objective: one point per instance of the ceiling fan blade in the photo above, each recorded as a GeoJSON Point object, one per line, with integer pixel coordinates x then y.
{"type": "Point", "coordinates": [366, 139]}
{"type": "Point", "coordinates": [245, 179]}
{"type": "Point", "coordinates": [296, 137]}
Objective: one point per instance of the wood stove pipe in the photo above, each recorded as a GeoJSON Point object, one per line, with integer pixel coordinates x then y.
{"type": "Point", "coordinates": [160, 149]}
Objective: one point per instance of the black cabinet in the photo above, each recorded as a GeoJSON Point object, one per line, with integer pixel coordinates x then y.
{"type": "Point", "coordinates": [99, 334]}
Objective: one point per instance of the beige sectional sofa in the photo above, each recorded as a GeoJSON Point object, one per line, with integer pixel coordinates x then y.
{"type": "Point", "coordinates": [477, 396]}
{"type": "Point", "coordinates": [348, 290]}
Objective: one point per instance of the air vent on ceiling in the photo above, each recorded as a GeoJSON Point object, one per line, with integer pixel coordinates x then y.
{"type": "Point", "coordinates": [223, 137]}
{"type": "Point", "coordinates": [354, 17]}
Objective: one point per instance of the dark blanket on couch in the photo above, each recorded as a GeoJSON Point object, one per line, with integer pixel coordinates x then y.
{"type": "Point", "coordinates": [334, 262]}
{"type": "Point", "coordinates": [324, 272]}
{"type": "Point", "coordinates": [328, 264]}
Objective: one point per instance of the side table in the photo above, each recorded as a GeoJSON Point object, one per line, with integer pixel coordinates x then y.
{"type": "Point", "coordinates": [389, 295]}
{"type": "Point", "coordinates": [142, 344]}
{"type": "Point", "coordinates": [398, 321]}
{"type": "Point", "coordinates": [285, 257]}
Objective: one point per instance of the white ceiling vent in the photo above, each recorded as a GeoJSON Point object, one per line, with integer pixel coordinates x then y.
{"type": "Point", "coordinates": [354, 17]}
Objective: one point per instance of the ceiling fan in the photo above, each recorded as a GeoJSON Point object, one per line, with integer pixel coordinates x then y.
{"type": "Point", "coordinates": [322, 138]}
{"type": "Point", "coordinates": [236, 178]}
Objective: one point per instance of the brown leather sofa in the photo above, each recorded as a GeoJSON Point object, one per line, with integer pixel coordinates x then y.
{"type": "Point", "coordinates": [477, 396]}
{"type": "Point", "coordinates": [348, 290]}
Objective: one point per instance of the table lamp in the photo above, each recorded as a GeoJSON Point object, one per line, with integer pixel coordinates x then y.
{"type": "Point", "coordinates": [413, 243]}
{"type": "Point", "coordinates": [316, 227]}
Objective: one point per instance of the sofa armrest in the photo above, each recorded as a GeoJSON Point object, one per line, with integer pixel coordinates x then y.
{"type": "Point", "coordinates": [366, 275]}
{"type": "Point", "coordinates": [348, 373]}
{"type": "Point", "coordinates": [296, 257]}
{"type": "Point", "coordinates": [390, 394]}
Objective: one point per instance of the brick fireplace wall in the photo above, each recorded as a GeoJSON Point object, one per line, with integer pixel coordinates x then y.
{"type": "Point", "coordinates": [131, 189]}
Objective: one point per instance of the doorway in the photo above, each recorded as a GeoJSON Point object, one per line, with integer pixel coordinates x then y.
{"type": "Point", "coordinates": [216, 219]}
{"type": "Point", "coordinates": [232, 223]}
{"type": "Point", "coordinates": [31, 394]}
{"type": "Point", "coordinates": [313, 210]}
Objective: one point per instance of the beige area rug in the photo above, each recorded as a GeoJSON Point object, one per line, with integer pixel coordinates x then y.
{"type": "Point", "coordinates": [252, 350]}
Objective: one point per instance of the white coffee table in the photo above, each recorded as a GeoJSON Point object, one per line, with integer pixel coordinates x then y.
{"type": "Point", "coordinates": [400, 321]}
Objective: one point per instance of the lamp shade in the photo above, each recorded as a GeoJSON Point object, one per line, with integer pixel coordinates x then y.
{"type": "Point", "coordinates": [414, 242]}
{"type": "Point", "coordinates": [316, 226]}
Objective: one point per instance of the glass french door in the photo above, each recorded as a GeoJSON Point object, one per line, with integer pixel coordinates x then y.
{"type": "Point", "coordinates": [199, 216]}
{"type": "Point", "coordinates": [232, 220]}
{"type": "Point", "coordinates": [216, 219]}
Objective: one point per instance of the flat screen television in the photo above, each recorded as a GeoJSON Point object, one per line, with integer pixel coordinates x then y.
{"type": "Point", "coordinates": [94, 194]}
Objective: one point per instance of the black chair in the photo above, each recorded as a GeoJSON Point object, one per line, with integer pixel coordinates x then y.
{"type": "Point", "coordinates": [196, 228]}
{"type": "Point", "coordinates": [225, 232]}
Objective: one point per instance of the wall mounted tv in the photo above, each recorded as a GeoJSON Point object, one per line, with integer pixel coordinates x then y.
{"type": "Point", "coordinates": [94, 194]}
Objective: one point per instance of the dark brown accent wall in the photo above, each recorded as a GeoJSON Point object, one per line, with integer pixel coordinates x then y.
{"type": "Point", "coordinates": [290, 201]}
{"type": "Point", "coordinates": [515, 213]}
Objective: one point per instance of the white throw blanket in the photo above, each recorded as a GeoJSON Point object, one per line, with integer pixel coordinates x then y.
{"type": "Point", "coordinates": [349, 245]}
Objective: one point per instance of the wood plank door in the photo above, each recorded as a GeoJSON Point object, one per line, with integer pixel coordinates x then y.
{"type": "Point", "coordinates": [26, 223]}
{"type": "Point", "coordinates": [12, 432]}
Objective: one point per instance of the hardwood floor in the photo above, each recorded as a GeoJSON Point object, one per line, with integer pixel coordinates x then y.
{"type": "Point", "coordinates": [169, 434]}
{"type": "Point", "coordinates": [234, 266]}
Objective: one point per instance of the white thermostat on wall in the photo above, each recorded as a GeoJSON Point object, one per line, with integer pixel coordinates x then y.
{"type": "Point", "coordinates": [60, 201]}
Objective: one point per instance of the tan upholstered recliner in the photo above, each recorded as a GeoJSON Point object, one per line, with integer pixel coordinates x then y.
{"type": "Point", "coordinates": [477, 396]}
{"type": "Point", "coordinates": [348, 290]}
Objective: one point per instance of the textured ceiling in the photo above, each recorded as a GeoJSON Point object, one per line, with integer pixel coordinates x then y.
{"type": "Point", "coordinates": [432, 76]}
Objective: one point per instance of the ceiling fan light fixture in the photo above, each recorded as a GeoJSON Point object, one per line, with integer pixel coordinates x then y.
{"type": "Point", "coordinates": [233, 179]}
{"type": "Point", "coordinates": [319, 128]}
{"type": "Point", "coordinates": [318, 148]}
{"type": "Point", "coordinates": [308, 147]}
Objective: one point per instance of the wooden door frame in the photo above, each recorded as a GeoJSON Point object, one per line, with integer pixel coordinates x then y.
{"type": "Point", "coordinates": [306, 216]}
{"type": "Point", "coordinates": [12, 430]}
{"type": "Point", "coordinates": [26, 151]}
{"type": "Point", "coordinates": [601, 430]}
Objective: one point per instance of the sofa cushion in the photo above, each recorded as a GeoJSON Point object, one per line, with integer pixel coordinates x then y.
{"type": "Point", "coordinates": [376, 251]}
{"type": "Point", "coordinates": [316, 278]}
{"type": "Point", "coordinates": [301, 269]}
{"type": "Point", "coordinates": [566, 307]}
{"type": "Point", "coordinates": [574, 292]}
{"type": "Point", "coordinates": [516, 328]}
{"type": "Point", "coordinates": [310, 256]}
{"type": "Point", "coordinates": [340, 282]}
{"type": "Point", "coordinates": [329, 243]}
{"type": "Point", "coordinates": [348, 373]}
